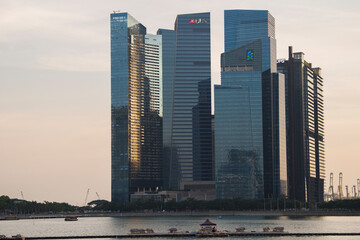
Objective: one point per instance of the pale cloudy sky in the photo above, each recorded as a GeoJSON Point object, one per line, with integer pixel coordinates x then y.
{"type": "Point", "coordinates": [55, 84]}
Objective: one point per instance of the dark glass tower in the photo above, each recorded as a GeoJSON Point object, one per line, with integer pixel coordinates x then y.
{"type": "Point", "coordinates": [191, 142]}
{"type": "Point", "coordinates": [305, 128]}
{"type": "Point", "coordinates": [136, 107]}
{"type": "Point", "coordinates": [170, 177]}
{"type": "Point", "coordinates": [250, 150]}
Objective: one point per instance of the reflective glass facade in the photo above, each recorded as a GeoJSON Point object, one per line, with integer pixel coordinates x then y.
{"type": "Point", "coordinates": [168, 64]}
{"type": "Point", "coordinates": [191, 142]}
{"type": "Point", "coordinates": [305, 128]}
{"type": "Point", "coordinates": [250, 155]}
{"type": "Point", "coordinates": [136, 107]}
{"type": "Point", "coordinates": [239, 136]}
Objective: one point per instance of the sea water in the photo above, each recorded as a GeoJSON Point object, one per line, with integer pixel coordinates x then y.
{"type": "Point", "coordinates": [121, 225]}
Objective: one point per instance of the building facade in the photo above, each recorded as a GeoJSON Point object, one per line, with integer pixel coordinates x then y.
{"type": "Point", "coordinates": [136, 107]}
{"type": "Point", "coordinates": [305, 128]}
{"type": "Point", "coordinates": [190, 135]}
{"type": "Point", "coordinates": [168, 66]}
{"type": "Point", "coordinates": [250, 140]}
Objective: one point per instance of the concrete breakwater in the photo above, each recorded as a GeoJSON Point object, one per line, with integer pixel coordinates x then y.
{"type": "Point", "coordinates": [174, 235]}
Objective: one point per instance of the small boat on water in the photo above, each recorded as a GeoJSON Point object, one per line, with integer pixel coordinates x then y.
{"type": "Point", "coordinates": [240, 229]}
{"type": "Point", "coordinates": [173, 230]}
{"type": "Point", "coordinates": [278, 229]}
{"type": "Point", "coordinates": [71, 218]}
{"type": "Point", "coordinates": [141, 231]}
{"type": "Point", "coordinates": [16, 237]}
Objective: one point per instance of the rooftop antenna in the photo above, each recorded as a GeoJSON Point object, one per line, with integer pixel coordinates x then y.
{"type": "Point", "coordinates": [358, 187]}
{"type": "Point", "coordinates": [347, 191]}
{"type": "Point", "coordinates": [22, 195]}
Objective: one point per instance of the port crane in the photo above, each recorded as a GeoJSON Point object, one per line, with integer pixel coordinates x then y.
{"type": "Point", "coordinates": [354, 192]}
{"type": "Point", "coordinates": [331, 192]}
{"type": "Point", "coordinates": [87, 195]}
{"type": "Point", "coordinates": [340, 191]}
{"type": "Point", "coordinates": [347, 191]}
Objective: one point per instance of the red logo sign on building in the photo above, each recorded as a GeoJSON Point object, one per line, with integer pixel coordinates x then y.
{"type": "Point", "coordinates": [192, 20]}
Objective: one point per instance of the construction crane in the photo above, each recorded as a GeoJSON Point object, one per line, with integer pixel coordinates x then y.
{"type": "Point", "coordinates": [331, 192]}
{"type": "Point", "coordinates": [87, 194]}
{"type": "Point", "coordinates": [98, 196]}
{"type": "Point", "coordinates": [340, 191]}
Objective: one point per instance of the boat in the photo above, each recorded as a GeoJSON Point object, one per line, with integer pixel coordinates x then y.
{"type": "Point", "coordinates": [240, 229]}
{"type": "Point", "coordinates": [16, 237]}
{"type": "Point", "coordinates": [278, 229]}
{"type": "Point", "coordinates": [71, 218]}
{"type": "Point", "coordinates": [173, 230]}
{"type": "Point", "coordinates": [266, 229]}
{"type": "Point", "coordinates": [137, 231]}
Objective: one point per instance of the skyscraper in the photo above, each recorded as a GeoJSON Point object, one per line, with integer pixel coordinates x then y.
{"type": "Point", "coordinates": [250, 150]}
{"type": "Point", "coordinates": [136, 107]}
{"type": "Point", "coordinates": [190, 136]}
{"type": "Point", "coordinates": [170, 178]}
{"type": "Point", "coordinates": [305, 128]}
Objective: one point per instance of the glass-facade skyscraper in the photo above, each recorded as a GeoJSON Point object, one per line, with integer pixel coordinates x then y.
{"type": "Point", "coordinates": [250, 139]}
{"type": "Point", "coordinates": [170, 177]}
{"type": "Point", "coordinates": [305, 128]}
{"type": "Point", "coordinates": [136, 107]}
{"type": "Point", "coordinates": [190, 134]}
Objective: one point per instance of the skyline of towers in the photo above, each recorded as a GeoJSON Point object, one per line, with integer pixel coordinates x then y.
{"type": "Point", "coordinates": [140, 157]}
{"type": "Point", "coordinates": [162, 128]}
{"type": "Point", "coordinates": [250, 110]}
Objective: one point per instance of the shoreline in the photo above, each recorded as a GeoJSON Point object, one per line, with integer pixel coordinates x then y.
{"type": "Point", "coordinates": [275, 213]}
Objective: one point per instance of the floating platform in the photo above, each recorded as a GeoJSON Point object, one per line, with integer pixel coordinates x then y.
{"type": "Point", "coordinates": [174, 235]}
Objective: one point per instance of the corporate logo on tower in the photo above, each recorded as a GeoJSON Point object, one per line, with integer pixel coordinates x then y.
{"type": "Point", "coordinates": [198, 21]}
{"type": "Point", "coordinates": [250, 55]}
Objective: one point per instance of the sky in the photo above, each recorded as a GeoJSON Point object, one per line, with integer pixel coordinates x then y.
{"type": "Point", "coordinates": [55, 84]}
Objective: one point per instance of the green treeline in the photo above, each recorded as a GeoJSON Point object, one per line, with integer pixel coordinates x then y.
{"type": "Point", "coordinates": [197, 205]}
{"type": "Point", "coordinates": [353, 204]}
{"type": "Point", "coordinates": [16, 206]}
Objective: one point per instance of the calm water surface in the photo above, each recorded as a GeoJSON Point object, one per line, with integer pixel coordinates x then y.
{"type": "Point", "coordinates": [122, 225]}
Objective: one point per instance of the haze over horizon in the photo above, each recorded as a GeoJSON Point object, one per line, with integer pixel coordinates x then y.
{"type": "Point", "coordinates": [55, 84]}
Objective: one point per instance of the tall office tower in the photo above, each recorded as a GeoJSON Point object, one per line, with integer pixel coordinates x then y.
{"type": "Point", "coordinates": [191, 143]}
{"type": "Point", "coordinates": [168, 65]}
{"type": "Point", "coordinates": [250, 137]}
{"type": "Point", "coordinates": [305, 128]}
{"type": "Point", "coordinates": [136, 107]}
